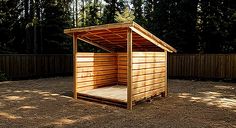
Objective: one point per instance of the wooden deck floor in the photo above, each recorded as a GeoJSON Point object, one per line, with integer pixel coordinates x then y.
{"type": "Point", "coordinates": [117, 93]}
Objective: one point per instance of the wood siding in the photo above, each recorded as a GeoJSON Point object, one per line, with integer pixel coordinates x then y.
{"type": "Point", "coordinates": [148, 74]}
{"type": "Point", "coordinates": [95, 70]}
{"type": "Point", "coordinates": [122, 68]}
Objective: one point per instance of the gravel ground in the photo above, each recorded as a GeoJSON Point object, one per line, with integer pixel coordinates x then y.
{"type": "Point", "coordinates": [45, 103]}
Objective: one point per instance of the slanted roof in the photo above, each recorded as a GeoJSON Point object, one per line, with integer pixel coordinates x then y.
{"type": "Point", "coordinates": [113, 37]}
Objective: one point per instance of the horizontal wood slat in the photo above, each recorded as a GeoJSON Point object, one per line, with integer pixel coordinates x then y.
{"type": "Point", "coordinates": [149, 71]}
{"type": "Point", "coordinates": [148, 54]}
{"type": "Point", "coordinates": [97, 59]}
{"type": "Point", "coordinates": [95, 64]}
{"type": "Point", "coordinates": [148, 77]}
{"type": "Point", "coordinates": [84, 88]}
{"type": "Point", "coordinates": [148, 94]}
{"type": "Point", "coordinates": [148, 88]}
{"type": "Point", "coordinates": [95, 70]}
{"type": "Point", "coordinates": [102, 82]}
{"type": "Point", "coordinates": [122, 68]}
{"type": "Point", "coordinates": [98, 73]}
{"type": "Point", "coordinates": [144, 76]}
{"type": "Point", "coordinates": [149, 74]}
{"type": "Point", "coordinates": [148, 65]}
{"type": "Point", "coordinates": [148, 82]}
{"type": "Point", "coordinates": [97, 78]}
{"type": "Point", "coordinates": [86, 54]}
{"type": "Point", "coordinates": [148, 60]}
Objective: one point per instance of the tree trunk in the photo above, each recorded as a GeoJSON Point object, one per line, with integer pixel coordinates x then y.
{"type": "Point", "coordinates": [76, 12]}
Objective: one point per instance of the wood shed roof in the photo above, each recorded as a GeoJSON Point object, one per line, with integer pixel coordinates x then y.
{"type": "Point", "coordinates": [113, 37]}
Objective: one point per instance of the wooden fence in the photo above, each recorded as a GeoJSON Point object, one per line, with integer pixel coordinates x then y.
{"type": "Point", "coordinates": [205, 66]}
{"type": "Point", "coordinates": [25, 66]}
{"type": "Point", "coordinates": [187, 66]}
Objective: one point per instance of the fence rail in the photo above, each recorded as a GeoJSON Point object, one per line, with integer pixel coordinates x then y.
{"type": "Point", "coordinates": [21, 66]}
{"type": "Point", "coordinates": [188, 66]}
{"type": "Point", "coordinates": [209, 66]}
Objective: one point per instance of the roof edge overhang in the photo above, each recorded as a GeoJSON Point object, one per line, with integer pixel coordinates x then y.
{"type": "Point", "coordinates": [132, 25]}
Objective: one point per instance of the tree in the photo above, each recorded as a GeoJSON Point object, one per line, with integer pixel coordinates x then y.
{"type": "Point", "coordinates": [110, 10]}
{"type": "Point", "coordinates": [173, 21]}
{"type": "Point", "coordinates": [126, 16]}
{"type": "Point", "coordinates": [216, 21]}
{"type": "Point", "coordinates": [138, 11]}
{"type": "Point", "coordinates": [54, 22]}
{"type": "Point", "coordinates": [10, 26]}
{"type": "Point", "coordinates": [191, 26]}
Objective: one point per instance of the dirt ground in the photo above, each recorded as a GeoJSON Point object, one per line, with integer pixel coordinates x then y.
{"type": "Point", "coordinates": [45, 103]}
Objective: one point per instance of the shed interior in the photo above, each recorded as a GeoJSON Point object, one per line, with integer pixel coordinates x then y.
{"type": "Point", "coordinates": [134, 67]}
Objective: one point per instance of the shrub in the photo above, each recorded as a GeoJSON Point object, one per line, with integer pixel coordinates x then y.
{"type": "Point", "coordinates": [3, 76]}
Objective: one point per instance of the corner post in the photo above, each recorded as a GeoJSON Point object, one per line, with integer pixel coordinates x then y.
{"type": "Point", "coordinates": [74, 64]}
{"type": "Point", "coordinates": [129, 70]}
{"type": "Point", "coordinates": [166, 74]}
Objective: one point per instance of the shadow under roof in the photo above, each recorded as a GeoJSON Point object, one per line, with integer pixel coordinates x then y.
{"type": "Point", "coordinates": [113, 37]}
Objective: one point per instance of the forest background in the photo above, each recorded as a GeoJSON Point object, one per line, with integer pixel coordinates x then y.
{"type": "Point", "coordinates": [191, 26]}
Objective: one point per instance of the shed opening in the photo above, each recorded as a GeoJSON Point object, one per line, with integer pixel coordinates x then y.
{"type": "Point", "coordinates": [135, 67]}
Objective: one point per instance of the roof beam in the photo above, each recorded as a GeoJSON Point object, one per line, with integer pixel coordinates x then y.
{"type": "Point", "coordinates": [106, 31]}
{"type": "Point", "coordinates": [149, 38]}
{"type": "Point", "coordinates": [95, 44]}
{"type": "Point", "coordinates": [156, 39]}
{"type": "Point", "coordinates": [121, 36]}
{"type": "Point", "coordinates": [107, 40]}
{"type": "Point", "coordinates": [99, 27]}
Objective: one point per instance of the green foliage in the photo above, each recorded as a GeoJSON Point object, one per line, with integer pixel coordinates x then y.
{"type": "Point", "coordinates": [9, 26]}
{"type": "Point", "coordinates": [216, 31]}
{"type": "Point", "coordinates": [91, 13]}
{"type": "Point", "coordinates": [3, 76]}
{"type": "Point", "coordinates": [54, 27]}
{"type": "Point", "coordinates": [28, 27]}
{"type": "Point", "coordinates": [191, 26]}
{"type": "Point", "coordinates": [126, 16]}
{"type": "Point", "coordinates": [138, 11]}
{"type": "Point", "coordinates": [110, 10]}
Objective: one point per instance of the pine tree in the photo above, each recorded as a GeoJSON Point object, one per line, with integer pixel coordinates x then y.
{"type": "Point", "coordinates": [138, 11]}
{"type": "Point", "coordinates": [10, 26]}
{"type": "Point", "coordinates": [215, 26]}
{"type": "Point", "coordinates": [110, 10]}
{"type": "Point", "coordinates": [126, 16]}
{"type": "Point", "coordinates": [54, 23]}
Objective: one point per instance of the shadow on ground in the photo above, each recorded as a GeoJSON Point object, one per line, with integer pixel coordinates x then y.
{"type": "Point", "coordinates": [49, 103]}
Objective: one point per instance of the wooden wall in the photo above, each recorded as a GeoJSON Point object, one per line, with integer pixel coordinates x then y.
{"type": "Point", "coordinates": [95, 70]}
{"type": "Point", "coordinates": [122, 68]}
{"type": "Point", "coordinates": [148, 74]}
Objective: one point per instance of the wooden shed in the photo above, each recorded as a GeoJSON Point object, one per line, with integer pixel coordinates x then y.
{"type": "Point", "coordinates": [134, 67]}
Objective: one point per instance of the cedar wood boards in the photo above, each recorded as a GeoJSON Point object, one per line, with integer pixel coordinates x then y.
{"type": "Point", "coordinates": [147, 73]}
{"type": "Point", "coordinates": [137, 89]}
{"type": "Point", "coordinates": [150, 78]}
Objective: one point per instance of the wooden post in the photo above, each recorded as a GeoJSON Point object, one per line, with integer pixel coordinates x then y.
{"type": "Point", "coordinates": [129, 70]}
{"type": "Point", "coordinates": [166, 74]}
{"type": "Point", "coordinates": [74, 63]}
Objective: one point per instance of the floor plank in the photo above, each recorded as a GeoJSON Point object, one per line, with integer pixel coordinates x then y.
{"type": "Point", "coordinates": [117, 92]}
